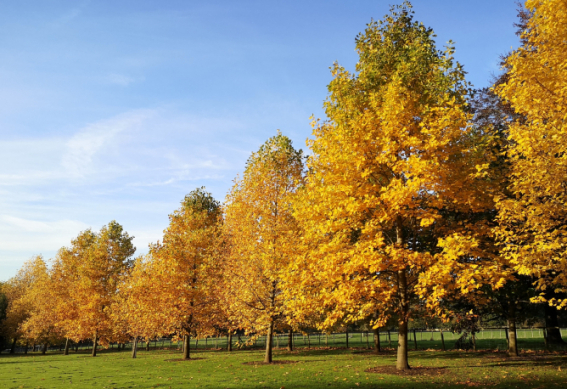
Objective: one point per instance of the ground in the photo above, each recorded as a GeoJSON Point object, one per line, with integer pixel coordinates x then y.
{"type": "Point", "coordinates": [314, 368]}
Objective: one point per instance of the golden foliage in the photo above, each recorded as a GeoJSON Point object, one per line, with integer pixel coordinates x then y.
{"type": "Point", "coordinates": [533, 227]}
{"type": "Point", "coordinates": [90, 271]}
{"type": "Point", "coordinates": [261, 235]}
{"type": "Point", "coordinates": [392, 209]}
{"type": "Point", "coordinates": [169, 290]}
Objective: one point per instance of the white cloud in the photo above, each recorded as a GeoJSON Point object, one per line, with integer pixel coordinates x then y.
{"type": "Point", "coordinates": [83, 146]}
{"type": "Point", "coordinates": [20, 234]}
{"type": "Point", "coordinates": [134, 167]}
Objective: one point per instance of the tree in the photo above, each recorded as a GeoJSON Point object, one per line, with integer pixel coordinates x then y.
{"type": "Point", "coordinates": [20, 305]}
{"type": "Point", "coordinates": [392, 210]}
{"type": "Point", "coordinates": [262, 234]}
{"type": "Point", "coordinates": [42, 298]}
{"type": "Point", "coordinates": [3, 309]}
{"type": "Point", "coordinates": [91, 268]}
{"type": "Point", "coordinates": [169, 291]}
{"type": "Point", "coordinates": [533, 220]}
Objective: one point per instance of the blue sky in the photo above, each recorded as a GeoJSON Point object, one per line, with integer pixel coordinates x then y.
{"type": "Point", "coordinates": [117, 109]}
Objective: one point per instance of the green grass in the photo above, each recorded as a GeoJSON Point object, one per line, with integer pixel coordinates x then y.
{"type": "Point", "coordinates": [315, 368]}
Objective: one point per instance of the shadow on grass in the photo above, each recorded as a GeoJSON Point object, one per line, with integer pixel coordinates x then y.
{"type": "Point", "coordinates": [183, 360]}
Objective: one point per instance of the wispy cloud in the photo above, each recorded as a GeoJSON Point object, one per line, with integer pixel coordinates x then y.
{"type": "Point", "coordinates": [36, 235]}
{"type": "Point", "coordinates": [133, 167]}
{"type": "Point", "coordinates": [82, 147]}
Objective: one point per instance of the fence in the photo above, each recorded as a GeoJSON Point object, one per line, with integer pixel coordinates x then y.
{"type": "Point", "coordinates": [418, 339]}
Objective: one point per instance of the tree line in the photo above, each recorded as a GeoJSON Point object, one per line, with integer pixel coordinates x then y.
{"type": "Point", "coordinates": [422, 199]}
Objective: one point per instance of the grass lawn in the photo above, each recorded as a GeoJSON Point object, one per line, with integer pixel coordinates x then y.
{"type": "Point", "coordinates": [315, 368]}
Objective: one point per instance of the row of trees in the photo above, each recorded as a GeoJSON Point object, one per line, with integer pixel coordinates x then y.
{"type": "Point", "coordinates": [420, 197]}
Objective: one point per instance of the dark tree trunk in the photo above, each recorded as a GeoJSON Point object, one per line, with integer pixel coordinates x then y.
{"type": "Point", "coordinates": [26, 349]}
{"type": "Point", "coordinates": [66, 352]}
{"type": "Point", "coordinates": [414, 340]}
{"type": "Point", "coordinates": [229, 345]}
{"type": "Point", "coordinates": [13, 348]}
{"type": "Point", "coordinates": [552, 325]}
{"type": "Point", "coordinates": [290, 341]}
{"type": "Point", "coordinates": [95, 344]}
{"type": "Point", "coordinates": [442, 340]}
{"type": "Point", "coordinates": [377, 340]}
{"type": "Point", "coordinates": [402, 357]}
{"type": "Point", "coordinates": [44, 349]}
{"type": "Point", "coordinates": [473, 341]}
{"type": "Point", "coordinates": [186, 347]}
{"type": "Point", "coordinates": [148, 345]}
{"type": "Point", "coordinates": [512, 338]}
{"type": "Point", "coordinates": [135, 347]}
{"type": "Point", "coordinates": [269, 345]}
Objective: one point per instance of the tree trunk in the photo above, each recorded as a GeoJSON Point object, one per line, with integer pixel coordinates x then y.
{"type": "Point", "coordinates": [229, 345]}
{"type": "Point", "coordinates": [95, 344]}
{"type": "Point", "coordinates": [512, 338]}
{"type": "Point", "coordinates": [269, 341]}
{"type": "Point", "coordinates": [377, 340]}
{"type": "Point", "coordinates": [290, 341]}
{"type": "Point", "coordinates": [473, 341]}
{"type": "Point", "coordinates": [402, 358]}
{"type": "Point", "coordinates": [147, 345]}
{"type": "Point", "coordinates": [552, 325]}
{"type": "Point", "coordinates": [442, 340]}
{"type": "Point", "coordinates": [347, 338]}
{"type": "Point", "coordinates": [186, 347]}
{"type": "Point", "coordinates": [13, 348]}
{"type": "Point", "coordinates": [135, 347]}
{"type": "Point", "coordinates": [414, 340]}
{"type": "Point", "coordinates": [44, 349]}
{"type": "Point", "coordinates": [66, 352]}
{"type": "Point", "coordinates": [26, 349]}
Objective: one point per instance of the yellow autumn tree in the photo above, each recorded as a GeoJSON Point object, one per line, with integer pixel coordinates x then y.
{"type": "Point", "coordinates": [17, 290]}
{"type": "Point", "coordinates": [134, 308]}
{"type": "Point", "coordinates": [532, 221]}
{"type": "Point", "coordinates": [169, 291]}
{"type": "Point", "coordinates": [391, 188]}
{"type": "Point", "coordinates": [91, 269]}
{"type": "Point", "coordinates": [262, 234]}
{"type": "Point", "coordinates": [43, 298]}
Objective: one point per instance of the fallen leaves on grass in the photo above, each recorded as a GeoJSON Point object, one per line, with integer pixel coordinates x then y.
{"type": "Point", "coordinates": [414, 371]}
{"type": "Point", "coordinates": [268, 363]}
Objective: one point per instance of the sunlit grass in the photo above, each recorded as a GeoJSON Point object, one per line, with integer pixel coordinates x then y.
{"type": "Point", "coordinates": [315, 368]}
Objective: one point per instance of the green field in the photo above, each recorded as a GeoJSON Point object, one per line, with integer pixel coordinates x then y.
{"type": "Point", "coordinates": [312, 368]}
